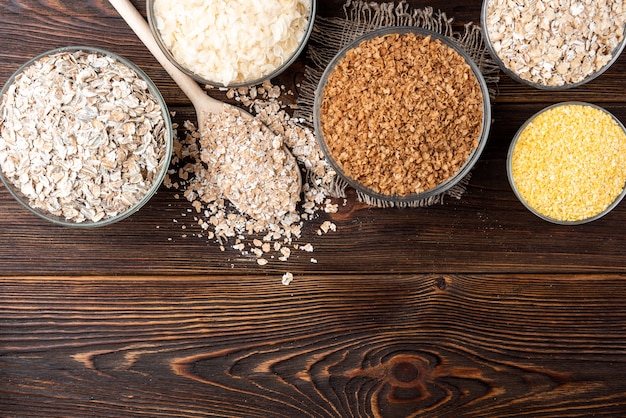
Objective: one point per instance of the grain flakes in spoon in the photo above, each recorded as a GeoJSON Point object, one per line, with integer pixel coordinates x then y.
{"type": "Point", "coordinates": [250, 165]}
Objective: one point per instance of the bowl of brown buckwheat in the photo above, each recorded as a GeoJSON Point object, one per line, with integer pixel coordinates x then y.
{"type": "Point", "coordinates": [402, 114]}
{"type": "Point", "coordinates": [85, 137]}
{"type": "Point", "coordinates": [554, 45]}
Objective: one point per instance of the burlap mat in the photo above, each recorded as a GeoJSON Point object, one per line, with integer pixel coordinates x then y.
{"type": "Point", "coordinates": [331, 34]}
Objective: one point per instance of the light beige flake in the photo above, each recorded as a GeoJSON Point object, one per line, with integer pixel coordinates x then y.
{"type": "Point", "coordinates": [287, 278]}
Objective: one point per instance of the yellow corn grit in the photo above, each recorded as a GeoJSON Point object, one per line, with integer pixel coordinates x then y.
{"type": "Point", "coordinates": [569, 162]}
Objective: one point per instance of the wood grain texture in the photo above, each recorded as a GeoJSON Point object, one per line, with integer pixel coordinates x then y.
{"type": "Point", "coordinates": [473, 308]}
{"type": "Point", "coordinates": [326, 346]}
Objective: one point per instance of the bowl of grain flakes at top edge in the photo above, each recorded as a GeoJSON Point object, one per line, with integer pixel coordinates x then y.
{"type": "Point", "coordinates": [85, 137]}
{"type": "Point", "coordinates": [231, 43]}
{"type": "Point", "coordinates": [554, 45]}
{"type": "Point", "coordinates": [402, 114]}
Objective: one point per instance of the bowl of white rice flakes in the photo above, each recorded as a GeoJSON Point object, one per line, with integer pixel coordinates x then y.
{"type": "Point", "coordinates": [231, 43]}
{"type": "Point", "coordinates": [85, 137]}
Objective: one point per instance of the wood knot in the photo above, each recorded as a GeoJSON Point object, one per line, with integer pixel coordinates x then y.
{"type": "Point", "coordinates": [405, 372]}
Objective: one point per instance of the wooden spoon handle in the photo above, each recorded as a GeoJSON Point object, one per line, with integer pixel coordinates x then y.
{"type": "Point", "coordinates": [139, 25]}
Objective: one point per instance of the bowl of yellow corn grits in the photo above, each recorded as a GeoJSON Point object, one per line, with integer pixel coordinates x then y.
{"type": "Point", "coordinates": [567, 163]}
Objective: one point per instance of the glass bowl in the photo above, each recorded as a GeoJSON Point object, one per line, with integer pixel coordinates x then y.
{"type": "Point", "coordinates": [267, 75]}
{"type": "Point", "coordinates": [540, 175]}
{"type": "Point", "coordinates": [35, 139]}
{"type": "Point", "coordinates": [404, 199]}
{"type": "Point", "coordinates": [542, 86]}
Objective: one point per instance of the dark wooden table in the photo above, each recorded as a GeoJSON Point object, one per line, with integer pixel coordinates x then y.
{"type": "Point", "coordinates": [470, 308]}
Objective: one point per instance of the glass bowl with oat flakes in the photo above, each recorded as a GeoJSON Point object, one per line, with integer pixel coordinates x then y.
{"type": "Point", "coordinates": [402, 114]}
{"type": "Point", "coordinates": [551, 44]}
{"type": "Point", "coordinates": [567, 163]}
{"type": "Point", "coordinates": [231, 43]}
{"type": "Point", "coordinates": [85, 136]}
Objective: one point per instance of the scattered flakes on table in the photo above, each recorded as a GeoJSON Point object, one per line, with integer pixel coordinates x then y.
{"type": "Point", "coordinates": [275, 238]}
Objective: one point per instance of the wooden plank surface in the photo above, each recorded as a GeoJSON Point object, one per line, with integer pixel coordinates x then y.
{"type": "Point", "coordinates": [326, 346]}
{"type": "Point", "coordinates": [471, 308]}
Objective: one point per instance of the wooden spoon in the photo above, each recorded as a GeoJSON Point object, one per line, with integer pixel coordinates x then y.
{"type": "Point", "coordinates": [202, 102]}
